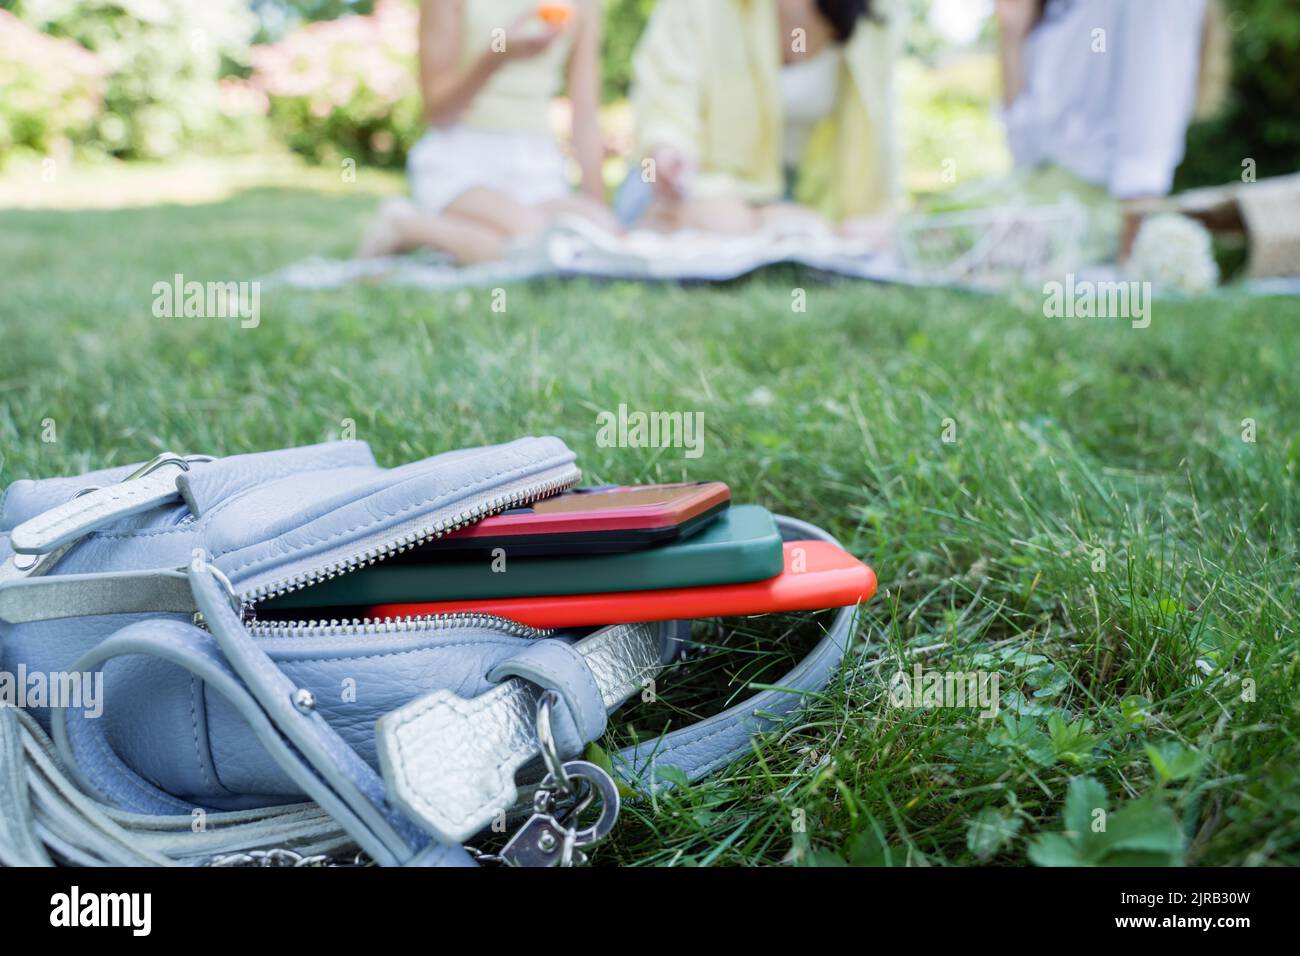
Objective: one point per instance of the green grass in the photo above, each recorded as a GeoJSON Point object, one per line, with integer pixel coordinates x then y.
{"type": "Point", "coordinates": [1098, 534]}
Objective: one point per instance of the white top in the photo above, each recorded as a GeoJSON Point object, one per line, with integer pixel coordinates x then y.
{"type": "Point", "coordinates": [808, 91]}
{"type": "Point", "coordinates": [1110, 86]}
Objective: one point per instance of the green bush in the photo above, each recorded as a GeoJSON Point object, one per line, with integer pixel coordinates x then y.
{"type": "Point", "coordinates": [1261, 120]}
{"type": "Point", "coordinates": [50, 90]}
{"type": "Point", "coordinates": [623, 23]}
{"type": "Point", "coordinates": [346, 88]}
{"type": "Point", "coordinates": [164, 59]}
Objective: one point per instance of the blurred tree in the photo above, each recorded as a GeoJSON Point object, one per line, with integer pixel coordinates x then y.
{"type": "Point", "coordinates": [51, 91]}
{"type": "Point", "coordinates": [345, 89]}
{"type": "Point", "coordinates": [163, 61]}
{"type": "Point", "coordinates": [1261, 120]}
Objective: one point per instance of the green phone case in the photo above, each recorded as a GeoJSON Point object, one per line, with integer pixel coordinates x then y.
{"type": "Point", "coordinates": [741, 545]}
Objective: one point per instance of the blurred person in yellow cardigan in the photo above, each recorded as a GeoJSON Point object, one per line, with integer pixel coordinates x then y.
{"type": "Point", "coordinates": [751, 113]}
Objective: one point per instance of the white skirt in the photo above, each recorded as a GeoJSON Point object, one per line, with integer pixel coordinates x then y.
{"type": "Point", "coordinates": [448, 161]}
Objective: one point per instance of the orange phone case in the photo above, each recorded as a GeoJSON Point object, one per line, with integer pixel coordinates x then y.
{"type": "Point", "coordinates": [830, 577]}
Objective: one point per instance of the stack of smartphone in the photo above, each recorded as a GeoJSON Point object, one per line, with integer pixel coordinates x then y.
{"type": "Point", "coordinates": [592, 556]}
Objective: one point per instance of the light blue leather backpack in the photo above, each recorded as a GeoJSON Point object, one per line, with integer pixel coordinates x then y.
{"type": "Point", "coordinates": [149, 717]}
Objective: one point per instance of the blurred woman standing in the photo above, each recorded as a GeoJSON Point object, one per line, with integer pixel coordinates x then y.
{"type": "Point", "coordinates": [489, 170]}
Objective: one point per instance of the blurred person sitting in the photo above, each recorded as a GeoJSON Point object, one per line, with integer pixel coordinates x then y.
{"type": "Point", "coordinates": [489, 170]}
{"type": "Point", "coordinates": [1103, 91]}
{"type": "Point", "coordinates": [751, 113]}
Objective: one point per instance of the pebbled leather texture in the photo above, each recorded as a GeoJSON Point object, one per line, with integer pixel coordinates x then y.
{"type": "Point", "coordinates": [227, 478]}
{"type": "Point", "coordinates": [81, 742]}
{"type": "Point", "coordinates": [287, 527]}
{"type": "Point", "coordinates": [355, 682]}
{"type": "Point", "coordinates": [28, 497]}
{"type": "Point", "coordinates": [450, 762]}
{"type": "Point", "coordinates": [166, 537]}
{"type": "Point", "coordinates": [304, 728]}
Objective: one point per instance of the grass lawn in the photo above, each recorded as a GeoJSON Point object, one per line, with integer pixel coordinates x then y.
{"type": "Point", "coordinates": [1097, 532]}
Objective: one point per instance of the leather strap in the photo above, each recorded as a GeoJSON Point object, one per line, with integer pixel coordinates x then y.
{"type": "Point", "coordinates": [350, 777]}
{"type": "Point", "coordinates": [84, 831]}
{"type": "Point", "coordinates": [41, 541]}
{"type": "Point", "coordinates": [450, 763]}
{"type": "Point", "coordinates": [84, 748]}
{"type": "Point", "coordinates": [701, 748]}
{"type": "Point", "coordinates": [73, 519]}
{"type": "Point", "coordinates": [51, 597]}
{"type": "Point", "coordinates": [18, 843]}
{"type": "Point", "coordinates": [560, 666]}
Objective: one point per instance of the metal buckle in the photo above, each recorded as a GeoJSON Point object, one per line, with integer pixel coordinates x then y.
{"type": "Point", "coordinates": [34, 565]}
{"type": "Point", "coordinates": [158, 461]}
{"type": "Point", "coordinates": [546, 740]}
{"type": "Point", "coordinates": [550, 837]}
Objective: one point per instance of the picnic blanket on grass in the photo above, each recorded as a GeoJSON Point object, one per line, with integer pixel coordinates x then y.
{"type": "Point", "coordinates": [565, 257]}
{"type": "Point", "coordinates": [984, 250]}
{"type": "Point", "coordinates": [979, 250]}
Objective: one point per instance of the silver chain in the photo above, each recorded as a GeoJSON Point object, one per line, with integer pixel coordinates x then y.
{"type": "Point", "coordinates": [283, 857]}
